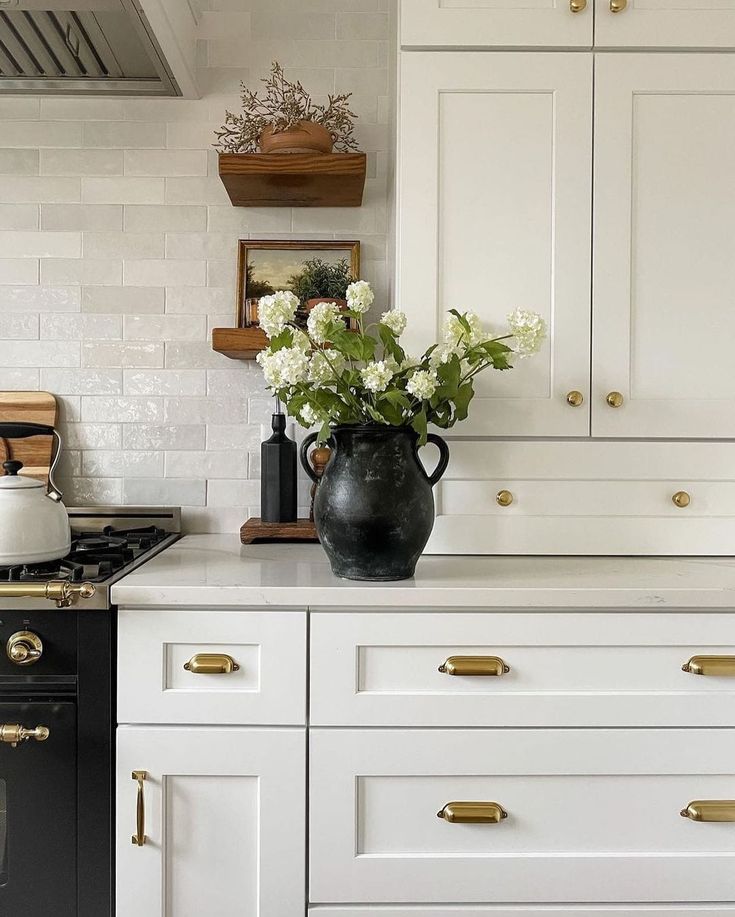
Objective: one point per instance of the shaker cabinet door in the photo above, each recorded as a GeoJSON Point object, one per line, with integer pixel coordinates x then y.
{"type": "Point", "coordinates": [664, 257]}
{"type": "Point", "coordinates": [496, 23]}
{"type": "Point", "coordinates": [494, 213]}
{"type": "Point", "coordinates": [664, 24]}
{"type": "Point", "coordinates": [223, 819]}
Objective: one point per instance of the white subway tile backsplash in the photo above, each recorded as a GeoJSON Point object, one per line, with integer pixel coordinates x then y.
{"type": "Point", "coordinates": [66, 271]}
{"type": "Point", "coordinates": [207, 245]}
{"type": "Point", "coordinates": [17, 326]}
{"type": "Point", "coordinates": [233, 493]}
{"type": "Point", "coordinates": [204, 410]}
{"type": "Point", "coordinates": [122, 134]}
{"type": "Point", "coordinates": [165, 382]}
{"type": "Point", "coordinates": [123, 245]}
{"type": "Point", "coordinates": [122, 410]}
{"type": "Point", "coordinates": [164, 327]}
{"type": "Point", "coordinates": [165, 491]}
{"type": "Point", "coordinates": [122, 300]}
{"type": "Point", "coordinates": [39, 299]}
{"type": "Point", "coordinates": [92, 491]}
{"type": "Point", "coordinates": [81, 162]}
{"type": "Point", "coordinates": [40, 244]}
{"type": "Point", "coordinates": [157, 272]}
{"type": "Point", "coordinates": [93, 436]}
{"type": "Point", "coordinates": [115, 464]}
{"type": "Point", "coordinates": [122, 353]}
{"type": "Point", "coordinates": [35, 189]}
{"type": "Point", "coordinates": [202, 301]}
{"type": "Point", "coordinates": [81, 327]}
{"type": "Point", "coordinates": [190, 135]}
{"type": "Point", "coordinates": [83, 217]}
{"type": "Point", "coordinates": [80, 108]}
{"type": "Point", "coordinates": [164, 436]}
{"type": "Point", "coordinates": [195, 191]}
{"type": "Point", "coordinates": [186, 354]}
{"type": "Point", "coordinates": [166, 218]}
{"type": "Point", "coordinates": [19, 380]}
{"type": "Point", "coordinates": [19, 216]}
{"type": "Point", "coordinates": [39, 353]}
{"type": "Point", "coordinates": [19, 162]}
{"type": "Point", "coordinates": [125, 190]}
{"type": "Point", "coordinates": [82, 382]}
{"type": "Point", "coordinates": [206, 465]}
{"type": "Point", "coordinates": [165, 162]}
{"type": "Point", "coordinates": [18, 271]}
{"type": "Point", "coordinates": [35, 134]}
{"type": "Point", "coordinates": [226, 437]}
{"type": "Point", "coordinates": [23, 108]}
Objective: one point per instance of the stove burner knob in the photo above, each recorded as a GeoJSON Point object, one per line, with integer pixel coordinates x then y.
{"type": "Point", "coordinates": [24, 648]}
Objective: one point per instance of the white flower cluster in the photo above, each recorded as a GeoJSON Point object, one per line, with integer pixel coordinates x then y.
{"type": "Point", "coordinates": [359, 296]}
{"type": "Point", "coordinates": [309, 416]}
{"type": "Point", "coordinates": [376, 376]}
{"type": "Point", "coordinates": [454, 332]}
{"type": "Point", "coordinates": [275, 311]}
{"type": "Point", "coordinates": [322, 370]}
{"type": "Point", "coordinates": [320, 321]}
{"type": "Point", "coordinates": [284, 368]}
{"type": "Point", "coordinates": [529, 331]}
{"type": "Point", "coordinates": [422, 384]}
{"type": "Point", "coordinates": [394, 320]}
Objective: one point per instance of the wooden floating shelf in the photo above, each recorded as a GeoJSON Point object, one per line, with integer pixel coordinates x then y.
{"type": "Point", "coordinates": [293, 179]}
{"type": "Point", "coordinates": [239, 343]}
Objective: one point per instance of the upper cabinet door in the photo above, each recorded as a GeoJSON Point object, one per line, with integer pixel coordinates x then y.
{"type": "Point", "coordinates": [496, 23]}
{"type": "Point", "coordinates": [665, 24]}
{"type": "Point", "coordinates": [494, 213]}
{"type": "Point", "coordinates": [664, 257]}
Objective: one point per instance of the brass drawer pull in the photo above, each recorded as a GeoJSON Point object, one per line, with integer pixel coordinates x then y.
{"type": "Point", "coordinates": [474, 665]}
{"type": "Point", "coordinates": [710, 810]}
{"type": "Point", "coordinates": [14, 734]}
{"type": "Point", "coordinates": [139, 837]}
{"type": "Point", "coordinates": [472, 813]}
{"type": "Point", "coordinates": [710, 665]}
{"type": "Point", "coordinates": [211, 664]}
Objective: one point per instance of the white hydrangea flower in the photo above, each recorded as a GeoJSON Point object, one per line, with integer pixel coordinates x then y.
{"type": "Point", "coordinates": [360, 296]}
{"type": "Point", "coordinates": [322, 371]}
{"type": "Point", "coordinates": [309, 416]}
{"type": "Point", "coordinates": [442, 354]}
{"type": "Point", "coordinates": [422, 384]}
{"type": "Point", "coordinates": [285, 367]}
{"type": "Point", "coordinates": [320, 320]}
{"type": "Point", "coordinates": [275, 311]}
{"type": "Point", "coordinates": [529, 331]}
{"type": "Point", "coordinates": [394, 320]}
{"type": "Point", "coordinates": [454, 332]}
{"type": "Point", "coordinates": [301, 340]}
{"type": "Point", "coordinates": [409, 361]}
{"type": "Point", "coordinates": [376, 376]}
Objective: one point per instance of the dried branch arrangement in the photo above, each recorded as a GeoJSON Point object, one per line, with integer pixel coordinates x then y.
{"type": "Point", "coordinates": [283, 105]}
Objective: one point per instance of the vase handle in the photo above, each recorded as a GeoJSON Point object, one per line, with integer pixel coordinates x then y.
{"type": "Point", "coordinates": [443, 457]}
{"type": "Point", "coordinates": [304, 456]}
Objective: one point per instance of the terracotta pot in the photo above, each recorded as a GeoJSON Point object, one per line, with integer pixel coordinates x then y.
{"type": "Point", "coordinates": [310, 303]}
{"type": "Point", "coordinates": [308, 137]}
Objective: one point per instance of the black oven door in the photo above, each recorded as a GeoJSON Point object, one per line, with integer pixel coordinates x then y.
{"type": "Point", "coordinates": [38, 825]}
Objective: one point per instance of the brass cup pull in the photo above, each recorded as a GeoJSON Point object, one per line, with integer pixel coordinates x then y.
{"type": "Point", "coordinates": [472, 813]}
{"type": "Point", "coordinates": [576, 6]}
{"type": "Point", "coordinates": [139, 837]}
{"type": "Point", "coordinates": [474, 665]}
{"type": "Point", "coordinates": [710, 665]}
{"type": "Point", "coordinates": [710, 810]}
{"type": "Point", "coordinates": [504, 498]}
{"type": "Point", "coordinates": [14, 734]}
{"type": "Point", "coordinates": [575, 399]}
{"type": "Point", "coordinates": [617, 6]}
{"type": "Point", "coordinates": [211, 664]}
{"type": "Point", "coordinates": [614, 399]}
{"type": "Point", "coordinates": [681, 499]}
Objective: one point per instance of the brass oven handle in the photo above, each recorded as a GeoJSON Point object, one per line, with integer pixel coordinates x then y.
{"type": "Point", "coordinates": [139, 837]}
{"type": "Point", "coordinates": [211, 664]}
{"type": "Point", "coordinates": [59, 591]}
{"type": "Point", "coordinates": [472, 813]}
{"type": "Point", "coordinates": [710, 810]}
{"type": "Point", "coordinates": [710, 665]}
{"type": "Point", "coordinates": [14, 734]}
{"type": "Point", "coordinates": [474, 665]}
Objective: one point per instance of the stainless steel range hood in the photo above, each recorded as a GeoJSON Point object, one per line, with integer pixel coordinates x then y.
{"type": "Point", "coordinates": [97, 47]}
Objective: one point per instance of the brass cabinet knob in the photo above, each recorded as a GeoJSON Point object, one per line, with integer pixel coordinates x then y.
{"type": "Point", "coordinates": [574, 399]}
{"type": "Point", "coordinates": [504, 498]}
{"type": "Point", "coordinates": [472, 813]}
{"type": "Point", "coordinates": [617, 6]}
{"type": "Point", "coordinates": [576, 6]}
{"type": "Point", "coordinates": [681, 499]}
{"type": "Point", "coordinates": [24, 648]}
{"type": "Point", "coordinates": [614, 399]}
{"type": "Point", "coordinates": [710, 810]}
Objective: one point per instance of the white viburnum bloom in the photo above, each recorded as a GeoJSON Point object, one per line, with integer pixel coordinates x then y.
{"type": "Point", "coordinates": [323, 371]}
{"type": "Point", "coordinates": [443, 353]}
{"type": "Point", "coordinates": [394, 320]}
{"type": "Point", "coordinates": [422, 384]}
{"type": "Point", "coordinates": [376, 376]}
{"type": "Point", "coordinates": [529, 331]}
{"type": "Point", "coordinates": [309, 416]}
{"type": "Point", "coordinates": [320, 320]}
{"type": "Point", "coordinates": [409, 362]}
{"type": "Point", "coordinates": [284, 368]}
{"type": "Point", "coordinates": [454, 332]}
{"type": "Point", "coordinates": [301, 340]}
{"type": "Point", "coordinates": [275, 311]}
{"type": "Point", "coordinates": [359, 296]}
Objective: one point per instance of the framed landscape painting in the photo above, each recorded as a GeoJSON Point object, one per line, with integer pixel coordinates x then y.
{"type": "Point", "coordinates": [267, 266]}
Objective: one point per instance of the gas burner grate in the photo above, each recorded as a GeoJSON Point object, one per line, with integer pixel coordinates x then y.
{"type": "Point", "coordinates": [39, 573]}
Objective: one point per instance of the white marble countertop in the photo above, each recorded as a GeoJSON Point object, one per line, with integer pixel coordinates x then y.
{"type": "Point", "coordinates": [216, 570]}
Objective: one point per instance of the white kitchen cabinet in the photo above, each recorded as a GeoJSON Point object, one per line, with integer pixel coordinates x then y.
{"type": "Point", "coordinates": [495, 23]}
{"type": "Point", "coordinates": [664, 24]}
{"type": "Point", "coordinates": [502, 910]}
{"type": "Point", "coordinates": [664, 256]}
{"type": "Point", "coordinates": [582, 816]}
{"type": "Point", "coordinates": [494, 213]}
{"type": "Point", "coordinates": [224, 822]}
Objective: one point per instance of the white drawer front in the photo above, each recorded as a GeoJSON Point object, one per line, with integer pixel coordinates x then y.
{"type": "Point", "coordinates": [500, 910]}
{"type": "Point", "coordinates": [593, 815]}
{"type": "Point", "coordinates": [267, 687]}
{"type": "Point", "coordinates": [581, 669]}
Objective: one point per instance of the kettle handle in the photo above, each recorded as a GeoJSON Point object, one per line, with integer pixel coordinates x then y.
{"type": "Point", "coordinates": [304, 456]}
{"type": "Point", "coordinates": [21, 430]}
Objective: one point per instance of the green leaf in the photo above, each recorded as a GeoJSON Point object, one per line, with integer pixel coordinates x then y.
{"type": "Point", "coordinates": [324, 433]}
{"type": "Point", "coordinates": [464, 395]}
{"type": "Point", "coordinates": [348, 343]}
{"type": "Point", "coordinates": [284, 339]}
{"type": "Point", "coordinates": [420, 425]}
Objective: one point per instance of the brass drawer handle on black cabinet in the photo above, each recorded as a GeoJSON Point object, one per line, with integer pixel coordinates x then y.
{"type": "Point", "coordinates": [472, 813]}
{"type": "Point", "coordinates": [139, 837]}
{"type": "Point", "coordinates": [474, 665]}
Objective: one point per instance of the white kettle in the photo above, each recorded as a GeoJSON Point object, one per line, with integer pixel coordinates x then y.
{"type": "Point", "coordinates": [34, 524]}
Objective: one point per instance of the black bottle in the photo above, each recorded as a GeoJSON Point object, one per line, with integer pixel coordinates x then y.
{"type": "Point", "coordinates": [278, 474]}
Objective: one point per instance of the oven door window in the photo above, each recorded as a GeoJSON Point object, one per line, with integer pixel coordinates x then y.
{"type": "Point", "coordinates": [38, 801]}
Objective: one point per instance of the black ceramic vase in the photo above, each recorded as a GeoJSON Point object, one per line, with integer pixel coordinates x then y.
{"type": "Point", "coordinates": [374, 507]}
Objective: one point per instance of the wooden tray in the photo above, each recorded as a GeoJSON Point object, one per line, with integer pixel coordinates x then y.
{"type": "Point", "coordinates": [35, 452]}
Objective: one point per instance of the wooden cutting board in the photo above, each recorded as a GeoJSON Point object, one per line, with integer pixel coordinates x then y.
{"type": "Point", "coordinates": [35, 451]}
